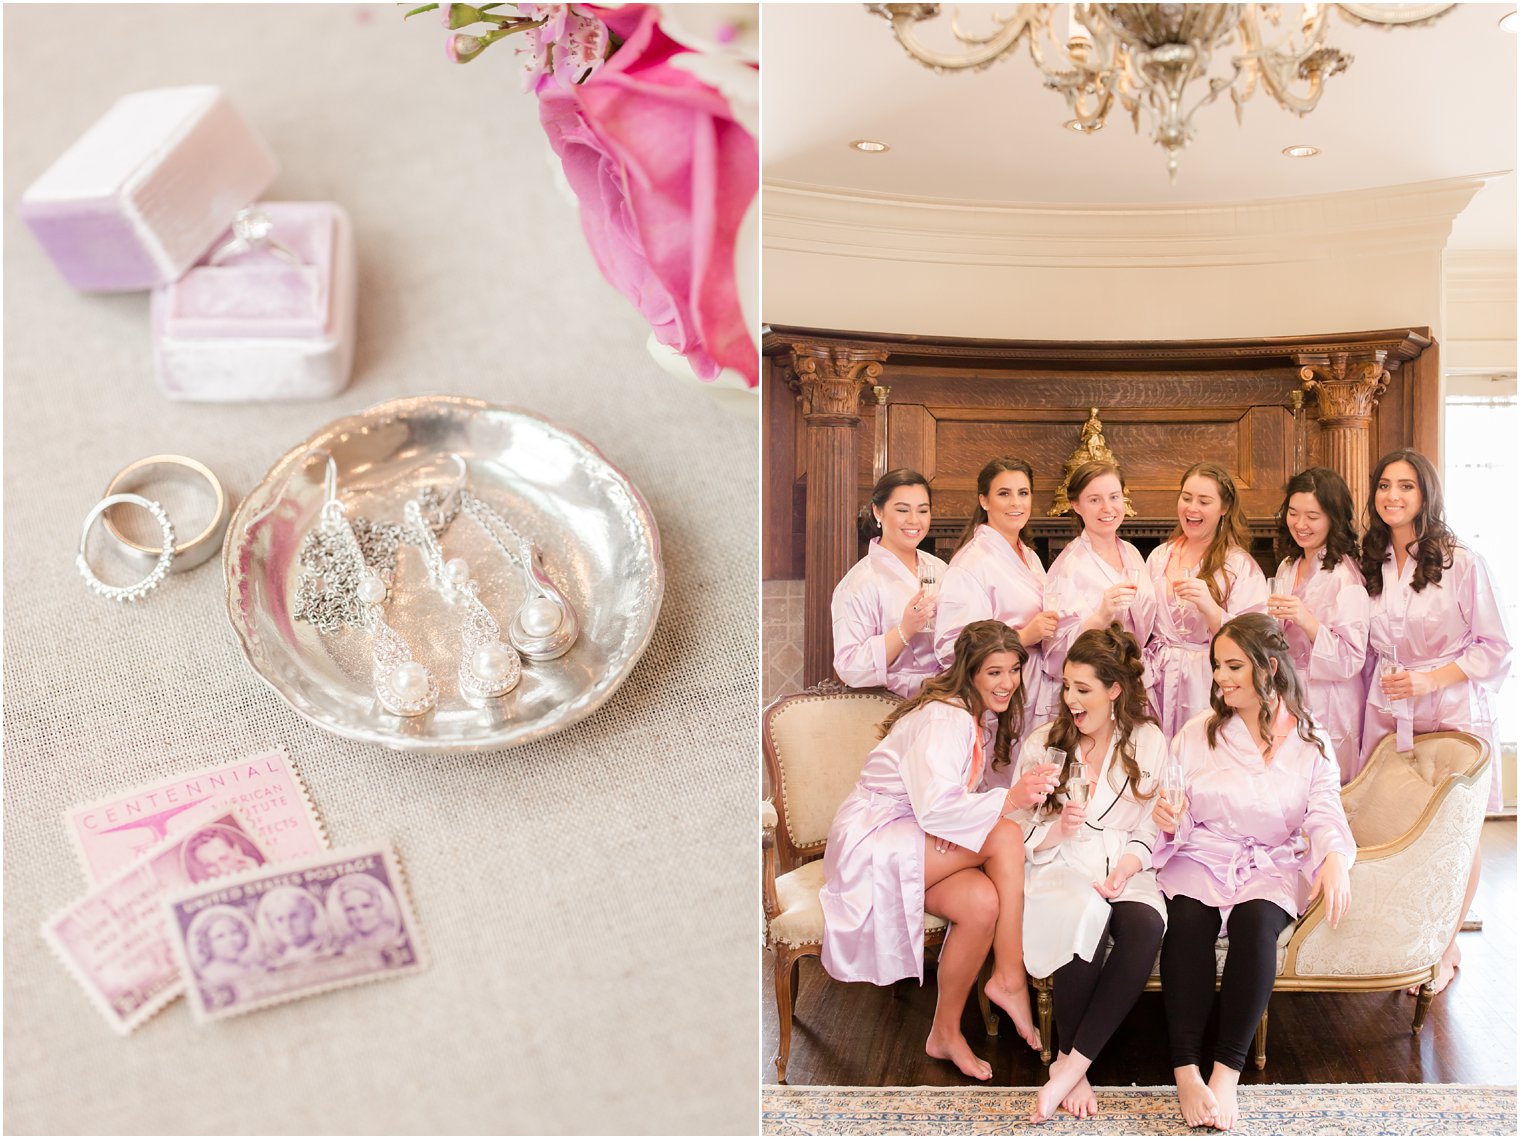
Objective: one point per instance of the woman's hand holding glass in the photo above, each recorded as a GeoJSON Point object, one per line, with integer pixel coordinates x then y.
{"type": "Point", "coordinates": [918, 614]}
{"type": "Point", "coordinates": [1037, 779]}
{"type": "Point", "coordinates": [1334, 881]}
{"type": "Point", "coordinates": [1040, 626]}
{"type": "Point", "coordinates": [1172, 801]}
{"type": "Point", "coordinates": [1117, 599]}
{"type": "Point", "coordinates": [1194, 591]}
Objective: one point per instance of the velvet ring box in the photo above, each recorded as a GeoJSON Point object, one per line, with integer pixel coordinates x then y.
{"type": "Point", "coordinates": [255, 326]}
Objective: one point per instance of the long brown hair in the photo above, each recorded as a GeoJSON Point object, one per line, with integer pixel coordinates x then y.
{"type": "Point", "coordinates": [1114, 654]}
{"type": "Point", "coordinates": [984, 487]}
{"type": "Point", "coordinates": [1434, 541]}
{"type": "Point", "coordinates": [1230, 532]}
{"type": "Point", "coordinates": [978, 641]}
{"type": "Point", "coordinates": [1261, 639]}
{"type": "Point", "coordinates": [1334, 498]}
{"type": "Point", "coordinates": [1085, 474]}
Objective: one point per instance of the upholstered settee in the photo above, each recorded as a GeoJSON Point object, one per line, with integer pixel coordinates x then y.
{"type": "Point", "coordinates": [815, 743]}
{"type": "Point", "coordinates": [1417, 819]}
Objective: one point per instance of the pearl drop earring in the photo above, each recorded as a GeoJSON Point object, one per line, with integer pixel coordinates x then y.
{"type": "Point", "coordinates": [487, 668]}
{"type": "Point", "coordinates": [347, 567]}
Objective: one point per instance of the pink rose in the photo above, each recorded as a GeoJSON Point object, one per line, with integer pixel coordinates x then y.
{"type": "Point", "coordinates": [664, 175]}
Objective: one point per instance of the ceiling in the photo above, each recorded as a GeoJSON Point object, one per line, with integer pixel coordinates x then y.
{"type": "Point", "coordinates": [1416, 105]}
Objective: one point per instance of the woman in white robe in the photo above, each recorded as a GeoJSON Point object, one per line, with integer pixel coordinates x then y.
{"type": "Point", "coordinates": [1089, 872]}
{"type": "Point", "coordinates": [993, 575]}
{"type": "Point", "coordinates": [1437, 635]}
{"type": "Point", "coordinates": [1203, 576]}
{"type": "Point", "coordinates": [916, 835]}
{"type": "Point", "coordinates": [883, 608]}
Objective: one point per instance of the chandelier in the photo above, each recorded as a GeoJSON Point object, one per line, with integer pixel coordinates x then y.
{"type": "Point", "coordinates": [1145, 56]}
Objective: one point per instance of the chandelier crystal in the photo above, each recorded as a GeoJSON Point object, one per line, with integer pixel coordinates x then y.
{"type": "Point", "coordinates": [1145, 57]}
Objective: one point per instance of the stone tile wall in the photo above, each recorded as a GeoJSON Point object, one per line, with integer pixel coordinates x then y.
{"type": "Point", "coordinates": [780, 638]}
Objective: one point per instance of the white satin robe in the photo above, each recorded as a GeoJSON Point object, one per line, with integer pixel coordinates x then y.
{"type": "Point", "coordinates": [1075, 584]}
{"type": "Point", "coordinates": [1331, 665]}
{"type": "Point", "coordinates": [1462, 621]}
{"type": "Point", "coordinates": [914, 783]}
{"type": "Point", "coordinates": [1063, 915]}
{"type": "Point", "coordinates": [1178, 674]}
{"type": "Point", "coordinates": [1252, 829]}
{"type": "Point", "coordinates": [988, 580]}
{"type": "Point", "coordinates": [868, 603]}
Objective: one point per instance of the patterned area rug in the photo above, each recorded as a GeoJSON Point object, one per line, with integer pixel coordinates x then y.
{"type": "Point", "coordinates": [1265, 1109]}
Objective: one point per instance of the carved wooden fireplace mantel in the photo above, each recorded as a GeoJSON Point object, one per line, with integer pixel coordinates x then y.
{"type": "Point", "coordinates": [1264, 408]}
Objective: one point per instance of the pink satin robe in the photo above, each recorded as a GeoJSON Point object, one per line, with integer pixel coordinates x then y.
{"type": "Point", "coordinates": [988, 580]}
{"type": "Point", "coordinates": [1075, 584]}
{"type": "Point", "coordinates": [914, 783]}
{"type": "Point", "coordinates": [868, 603]}
{"type": "Point", "coordinates": [1330, 667]}
{"type": "Point", "coordinates": [1462, 621]}
{"type": "Point", "coordinates": [1244, 831]}
{"type": "Point", "coordinates": [1178, 673]}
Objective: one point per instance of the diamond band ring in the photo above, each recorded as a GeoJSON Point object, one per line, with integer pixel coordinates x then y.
{"type": "Point", "coordinates": [161, 565]}
{"type": "Point", "coordinates": [253, 231]}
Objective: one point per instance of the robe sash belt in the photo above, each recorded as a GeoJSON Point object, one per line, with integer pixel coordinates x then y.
{"type": "Point", "coordinates": [1402, 711]}
{"type": "Point", "coordinates": [1236, 856]}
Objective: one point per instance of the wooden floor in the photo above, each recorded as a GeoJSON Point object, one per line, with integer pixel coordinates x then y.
{"type": "Point", "coordinates": [858, 1034]}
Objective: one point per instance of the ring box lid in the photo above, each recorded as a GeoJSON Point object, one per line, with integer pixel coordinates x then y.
{"type": "Point", "coordinates": [145, 191]}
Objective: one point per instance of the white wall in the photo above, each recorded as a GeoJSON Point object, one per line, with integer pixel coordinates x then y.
{"type": "Point", "coordinates": [1360, 260]}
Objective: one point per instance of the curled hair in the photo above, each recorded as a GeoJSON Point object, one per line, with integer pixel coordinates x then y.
{"type": "Point", "coordinates": [977, 641]}
{"type": "Point", "coordinates": [1086, 473]}
{"type": "Point", "coordinates": [1261, 640]}
{"type": "Point", "coordinates": [866, 524]}
{"type": "Point", "coordinates": [1230, 532]}
{"type": "Point", "coordinates": [1114, 655]}
{"type": "Point", "coordinates": [1334, 498]}
{"type": "Point", "coordinates": [1433, 540]}
{"type": "Point", "coordinates": [984, 480]}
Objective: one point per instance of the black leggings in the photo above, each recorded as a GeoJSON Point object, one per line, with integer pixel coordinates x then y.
{"type": "Point", "coordinates": [1188, 971]}
{"type": "Point", "coordinates": [1092, 998]}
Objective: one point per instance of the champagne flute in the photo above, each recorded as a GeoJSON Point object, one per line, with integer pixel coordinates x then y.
{"type": "Point", "coordinates": [1179, 605]}
{"type": "Point", "coordinates": [1282, 589]}
{"type": "Point", "coordinates": [928, 582]}
{"type": "Point", "coordinates": [1131, 579]}
{"type": "Point", "coordinates": [1077, 787]}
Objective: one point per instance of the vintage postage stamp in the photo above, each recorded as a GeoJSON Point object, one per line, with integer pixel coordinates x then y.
{"type": "Point", "coordinates": [116, 831]}
{"type": "Point", "coordinates": [115, 941]}
{"type": "Point", "coordinates": [289, 930]}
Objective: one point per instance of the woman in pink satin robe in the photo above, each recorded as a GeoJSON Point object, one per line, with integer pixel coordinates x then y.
{"type": "Point", "coordinates": [1256, 834]}
{"type": "Point", "coordinates": [1437, 647]}
{"type": "Point", "coordinates": [1099, 578]}
{"type": "Point", "coordinates": [883, 608]}
{"type": "Point", "coordinates": [1319, 598]}
{"type": "Point", "coordinates": [917, 835]}
{"type": "Point", "coordinates": [1202, 576]}
{"type": "Point", "coordinates": [993, 575]}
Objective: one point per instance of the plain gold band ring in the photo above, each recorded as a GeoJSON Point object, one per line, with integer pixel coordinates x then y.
{"type": "Point", "coordinates": [192, 551]}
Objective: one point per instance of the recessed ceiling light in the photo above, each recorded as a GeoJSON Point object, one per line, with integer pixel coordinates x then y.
{"type": "Point", "coordinates": [1300, 151]}
{"type": "Point", "coordinates": [1084, 128]}
{"type": "Point", "coordinates": [1508, 23]}
{"type": "Point", "coordinates": [869, 146]}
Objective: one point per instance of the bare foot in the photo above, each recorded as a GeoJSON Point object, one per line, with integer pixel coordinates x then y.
{"type": "Point", "coordinates": [1064, 1074]}
{"type": "Point", "coordinates": [1081, 1102]}
{"type": "Point", "coordinates": [1198, 1102]}
{"type": "Point", "coordinates": [1222, 1081]}
{"type": "Point", "coordinates": [1014, 1000]}
{"type": "Point", "coordinates": [1449, 962]}
{"type": "Point", "coordinates": [958, 1052]}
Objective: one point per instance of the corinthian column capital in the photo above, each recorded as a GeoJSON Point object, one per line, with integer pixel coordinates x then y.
{"type": "Point", "coordinates": [832, 378]}
{"type": "Point", "coordinates": [1346, 387]}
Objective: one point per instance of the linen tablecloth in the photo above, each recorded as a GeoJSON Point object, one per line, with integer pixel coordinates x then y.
{"type": "Point", "coordinates": [589, 899]}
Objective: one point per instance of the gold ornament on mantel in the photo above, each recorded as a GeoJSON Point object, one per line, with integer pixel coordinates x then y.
{"type": "Point", "coordinates": [1091, 449]}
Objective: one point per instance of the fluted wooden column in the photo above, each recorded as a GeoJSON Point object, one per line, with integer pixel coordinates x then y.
{"type": "Point", "coordinates": [830, 379]}
{"type": "Point", "coordinates": [1346, 389]}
